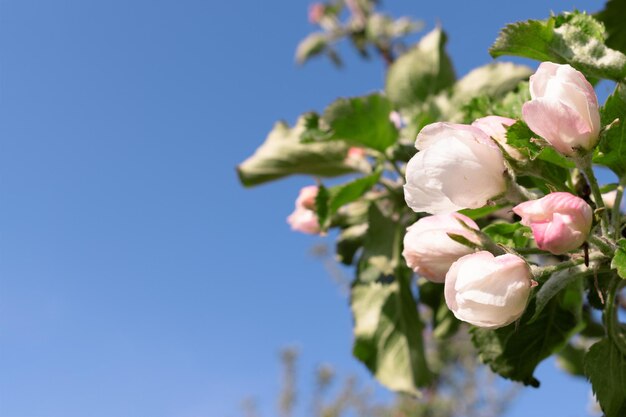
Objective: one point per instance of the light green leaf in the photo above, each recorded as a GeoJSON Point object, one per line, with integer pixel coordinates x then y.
{"type": "Point", "coordinates": [329, 202]}
{"type": "Point", "coordinates": [515, 351]}
{"type": "Point", "coordinates": [314, 44]}
{"type": "Point", "coordinates": [282, 154]}
{"type": "Point", "coordinates": [424, 70]}
{"type": "Point", "coordinates": [378, 247]}
{"type": "Point", "coordinates": [509, 234]}
{"type": "Point", "coordinates": [481, 211]}
{"type": "Point", "coordinates": [362, 121]}
{"type": "Point", "coordinates": [572, 38]}
{"type": "Point", "coordinates": [388, 335]}
{"type": "Point", "coordinates": [619, 260]}
{"type": "Point", "coordinates": [612, 146]}
{"type": "Point", "coordinates": [605, 366]}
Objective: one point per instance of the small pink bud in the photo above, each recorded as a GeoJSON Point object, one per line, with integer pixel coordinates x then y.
{"type": "Point", "coordinates": [563, 108]}
{"type": "Point", "coordinates": [560, 221]}
{"type": "Point", "coordinates": [304, 219]}
{"type": "Point", "coordinates": [495, 127]}
{"type": "Point", "coordinates": [316, 12]}
{"type": "Point", "coordinates": [356, 153]}
{"type": "Point", "coordinates": [429, 251]}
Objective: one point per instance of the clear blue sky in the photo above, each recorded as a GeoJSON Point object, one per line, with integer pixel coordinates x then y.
{"type": "Point", "coordinates": [137, 278]}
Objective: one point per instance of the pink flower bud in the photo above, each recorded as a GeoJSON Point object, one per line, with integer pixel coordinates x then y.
{"type": "Point", "coordinates": [428, 249]}
{"type": "Point", "coordinates": [304, 218]}
{"type": "Point", "coordinates": [563, 109]}
{"type": "Point", "coordinates": [495, 127]}
{"type": "Point", "coordinates": [458, 167]}
{"type": "Point", "coordinates": [560, 221]}
{"type": "Point", "coordinates": [316, 12]}
{"type": "Point", "coordinates": [355, 153]}
{"type": "Point", "coordinates": [488, 291]}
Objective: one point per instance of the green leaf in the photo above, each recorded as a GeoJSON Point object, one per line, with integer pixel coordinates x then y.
{"type": "Point", "coordinates": [612, 146]}
{"type": "Point", "coordinates": [388, 335]}
{"type": "Point", "coordinates": [515, 351]}
{"type": "Point", "coordinates": [555, 284]}
{"type": "Point", "coordinates": [519, 136]}
{"type": "Point", "coordinates": [510, 105]}
{"type": "Point", "coordinates": [572, 38]}
{"type": "Point", "coordinates": [349, 241]}
{"type": "Point", "coordinates": [494, 80]}
{"type": "Point", "coordinates": [362, 121]}
{"type": "Point", "coordinates": [613, 18]}
{"type": "Point", "coordinates": [605, 366]}
{"type": "Point", "coordinates": [313, 45]}
{"type": "Point", "coordinates": [333, 198]}
{"type": "Point", "coordinates": [378, 247]}
{"type": "Point", "coordinates": [424, 70]}
{"type": "Point", "coordinates": [619, 260]}
{"type": "Point", "coordinates": [282, 154]}
{"type": "Point", "coordinates": [509, 234]}
{"type": "Point", "coordinates": [482, 211]}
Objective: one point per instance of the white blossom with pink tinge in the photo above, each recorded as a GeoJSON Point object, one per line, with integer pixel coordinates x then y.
{"type": "Point", "coordinates": [560, 221]}
{"type": "Point", "coordinates": [428, 249]}
{"type": "Point", "coordinates": [563, 108]}
{"type": "Point", "coordinates": [457, 167]}
{"type": "Point", "coordinates": [488, 291]}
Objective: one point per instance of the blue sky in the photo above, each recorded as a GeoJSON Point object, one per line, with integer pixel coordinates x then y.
{"type": "Point", "coordinates": [137, 278]}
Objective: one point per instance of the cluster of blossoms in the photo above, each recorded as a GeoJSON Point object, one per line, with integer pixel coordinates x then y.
{"type": "Point", "coordinates": [463, 166]}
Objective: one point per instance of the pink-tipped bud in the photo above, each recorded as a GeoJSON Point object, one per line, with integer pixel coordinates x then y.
{"type": "Point", "coordinates": [304, 219]}
{"type": "Point", "coordinates": [563, 108]}
{"type": "Point", "coordinates": [429, 250]}
{"type": "Point", "coordinates": [316, 12]}
{"type": "Point", "coordinates": [560, 221]}
{"type": "Point", "coordinates": [495, 127]}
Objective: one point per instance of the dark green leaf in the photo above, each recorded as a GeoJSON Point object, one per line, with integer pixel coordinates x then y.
{"type": "Point", "coordinates": [573, 38]}
{"type": "Point", "coordinates": [619, 260]}
{"type": "Point", "coordinates": [388, 335]}
{"type": "Point", "coordinates": [515, 351]}
{"type": "Point", "coordinates": [612, 146]}
{"type": "Point", "coordinates": [605, 366]}
{"type": "Point", "coordinates": [328, 204]}
{"type": "Point", "coordinates": [613, 18]}
{"type": "Point", "coordinates": [482, 211]}
{"type": "Point", "coordinates": [463, 240]}
{"type": "Point", "coordinates": [282, 154]}
{"type": "Point", "coordinates": [422, 71]}
{"type": "Point", "coordinates": [362, 121]}
{"type": "Point", "coordinates": [509, 234]}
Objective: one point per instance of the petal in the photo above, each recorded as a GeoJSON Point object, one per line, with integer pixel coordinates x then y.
{"type": "Point", "coordinates": [557, 123]}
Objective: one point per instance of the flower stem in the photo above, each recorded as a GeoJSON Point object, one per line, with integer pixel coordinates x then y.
{"type": "Point", "coordinates": [603, 246]}
{"type": "Point", "coordinates": [585, 165]}
{"type": "Point", "coordinates": [610, 316]}
{"type": "Point", "coordinates": [543, 272]}
{"type": "Point", "coordinates": [616, 213]}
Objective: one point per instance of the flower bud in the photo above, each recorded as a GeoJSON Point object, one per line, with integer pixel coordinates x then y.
{"type": "Point", "coordinates": [563, 108]}
{"type": "Point", "coordinates": [560, 221]}
{"type": "Point", "coordinates": [428, 249]}
{"type": "Point", "coordinates": [304, 218]}
{"type": "Point", "coordinates": [488, 291]}
{"type": "Point", "coordinates": [495, 127]}
{"type": "Point", "coordinates": [316, 12]}
{"type": "Point", "coordinates": [398, 121]}
{"type": "Point", "coordinates": [458, 167]}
